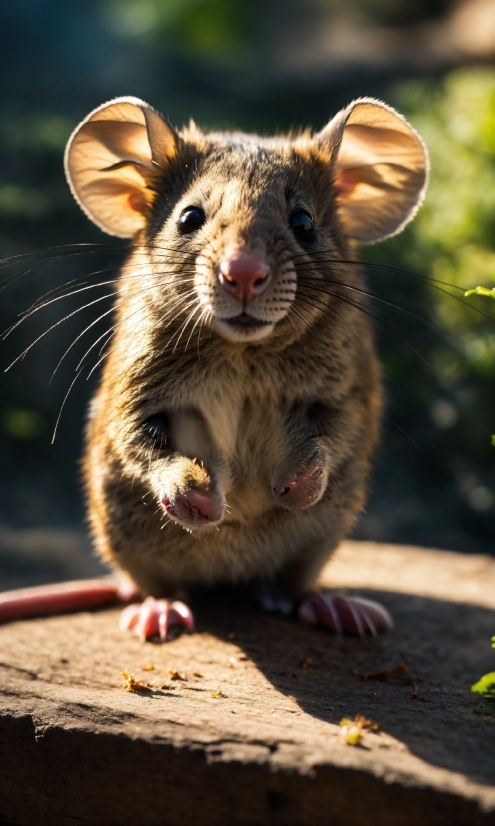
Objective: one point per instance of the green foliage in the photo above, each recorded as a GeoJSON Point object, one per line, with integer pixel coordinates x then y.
{"type": "Point", "coordinates": [490, 294]}
{"type": "Point", "coordinates": [454, 233]}
{"type": "Point", "coordinates": [486, 684]}
{"type": "Point", "coordinates": [23, 202]}
{"type": "Point", "coordinates": [35, 133]}
{"type": "Point", "coordinates": [212, 29]}
{"type": "Point", "coordinates": [22, 424]}
{"type": "Point", "coordinates": [480, 291]}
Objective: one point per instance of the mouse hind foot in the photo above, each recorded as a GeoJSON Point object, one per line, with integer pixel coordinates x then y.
{"type": "Point", "coordinates": [155, 617]}
{"type": "Point", "coordinates": [356, 615]}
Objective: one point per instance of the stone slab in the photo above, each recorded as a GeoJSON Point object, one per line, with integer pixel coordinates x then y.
{"type": "Point", "coordinates": [76, 748]}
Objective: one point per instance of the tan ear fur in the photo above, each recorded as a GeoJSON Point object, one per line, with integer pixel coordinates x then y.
{"type": "Point", "coordinates": [380, 169]}
{"type": "Point", "coordinates": [112, 159]}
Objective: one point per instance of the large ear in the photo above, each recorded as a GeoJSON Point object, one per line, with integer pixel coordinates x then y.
{"type": "Point", "coordinates": [380, 169]}
{"type": "Point", "coordinates": [112, 160]}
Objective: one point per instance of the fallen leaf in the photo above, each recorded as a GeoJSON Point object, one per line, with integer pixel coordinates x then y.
{"type": "Point", "coordinates": [131, 684]}
{"type": "Point", "coordinates": [353, 729]}
{"type": "Point", "coordinates": [383, 674]}
{"type": "Point", "coordinates": [353, 737]}
{"type": "Point", "coordinates": [364, 722]}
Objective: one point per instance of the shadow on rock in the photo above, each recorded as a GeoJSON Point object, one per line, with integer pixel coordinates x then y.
{"type": "Point", "coordinates": [445, 646]}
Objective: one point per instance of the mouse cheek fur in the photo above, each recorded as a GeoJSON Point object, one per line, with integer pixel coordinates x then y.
{"type": "Point", "coordinates": [189, 494]}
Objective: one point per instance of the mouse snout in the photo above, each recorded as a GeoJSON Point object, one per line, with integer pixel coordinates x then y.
{"type": "Point", "coordinates": [244, 275]}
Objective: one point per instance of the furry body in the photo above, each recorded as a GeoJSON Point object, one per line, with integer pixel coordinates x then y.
{"type": "Point", "coordinates": [248, 410]}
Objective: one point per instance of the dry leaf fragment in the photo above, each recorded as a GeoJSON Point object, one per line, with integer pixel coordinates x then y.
{"type": "Point", "coordinates": [400, 670]}
{"type": "Point", "coordinates": [148, 667]}
{"type": "Point", "coordinates": [416, 682]}
{"type": "Point", "coordinates": [353, 730]}
{"type": "Point", "coordinates": [176, 675]}
{"type": "Point", "coordinates": [383, 674]}
{"type": "Point", "coordinates": [218, 693]}
{"type": "Point", "coordinates": [353, 737]}
{"type": "Point", "coordinates": [131, 684]}
{"type": "Point", "coordinates": [364, 722]}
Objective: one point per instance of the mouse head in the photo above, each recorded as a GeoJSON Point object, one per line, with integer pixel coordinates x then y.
{"type": "Point", "coordinates": [242, 230]}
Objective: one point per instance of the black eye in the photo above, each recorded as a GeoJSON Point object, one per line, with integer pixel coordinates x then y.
{"type": "Point", "coordinates": [191, 219]}
{"type": "Point", "coordinates": [155, 432]}
{"type": "Point", "coordinates": [302, 225]}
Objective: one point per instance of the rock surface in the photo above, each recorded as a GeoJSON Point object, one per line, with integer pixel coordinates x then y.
{"type": "Point", "coordinates": [247, 731]}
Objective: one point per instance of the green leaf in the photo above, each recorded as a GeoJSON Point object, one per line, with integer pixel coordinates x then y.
{"type": "Point", "coordinates": [480, 291]}
{"type": "Point", "coordinates": [486, 685]}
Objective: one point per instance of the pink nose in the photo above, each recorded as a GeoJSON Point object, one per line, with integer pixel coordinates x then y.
{"type": "Point", "coordinates": [244, 275]}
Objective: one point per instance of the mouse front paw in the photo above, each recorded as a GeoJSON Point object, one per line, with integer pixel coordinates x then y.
{"type": "Point", "coordinates": [341, 613]}
{"type": "Point", "coordinates": [298, 491]}
{"type": "Point", "coordinates": [154, 617]}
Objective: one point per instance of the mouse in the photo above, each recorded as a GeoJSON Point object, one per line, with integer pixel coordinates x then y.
{"type": "Point", "coordinates": [232, 435]}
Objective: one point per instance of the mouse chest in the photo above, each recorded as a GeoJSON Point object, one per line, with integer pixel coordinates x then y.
{"type": "Point", "coordinates": [245, 430]}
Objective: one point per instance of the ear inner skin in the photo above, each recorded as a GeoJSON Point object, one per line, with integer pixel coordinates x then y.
{"type": "Point", "coordinates": [137, 202]}
{"type": "Point", "coordinates": [380, 169]}
{"type": "Point", "coordinates": [113, 159]}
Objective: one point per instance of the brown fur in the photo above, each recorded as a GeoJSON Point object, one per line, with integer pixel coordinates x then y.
{"type": "Point", "coordinates": [244, 415]}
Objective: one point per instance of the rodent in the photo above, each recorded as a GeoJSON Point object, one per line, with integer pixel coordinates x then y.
{"type": "Point", "coordinates": [233, 432]}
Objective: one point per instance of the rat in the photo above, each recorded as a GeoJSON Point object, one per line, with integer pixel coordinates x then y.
{"type": "Point", "coordinates": [232, 435]}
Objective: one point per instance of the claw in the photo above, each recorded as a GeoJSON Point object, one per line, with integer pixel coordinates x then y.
{"type": "Point", "coordinates": [163, 616]}
{"type": "Point", "coordinates": [185, 614]}
{"type": "Point", "coordinates": [155, 616]}
{"type": "Point", "coordinates": [338, 613]}
{"type": "Point", "coordinates": [128, 617]}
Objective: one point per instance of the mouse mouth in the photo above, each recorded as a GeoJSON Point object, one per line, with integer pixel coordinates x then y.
{"type": "Point", "coordinates": [245, 321]}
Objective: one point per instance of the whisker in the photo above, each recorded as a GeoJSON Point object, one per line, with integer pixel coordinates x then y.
{"type": "Point", "coordinates": [326, 308]}
{"type": "Point", "coordinates": [86, 329]}
{"type": "Point", "coordinates": [53, 326]}
{"type": "Point", "coordinates": [64, 401]}
{"type": "Point", "coordinates": [411, 313]}
{"type": "Point", "coordinates": [386, 327]}
{"type": "Point", "coordinates": [38, 305]}
{"type": "Point", "coordinates": [108, 332]}
{"type": "Point", "coordinates": [433, 282]}
{"type": "Point", "coordinates": [184, 326]}
{"type": "Point", "coordinates": [105, 354]}
{"type": "Point", "coordinates": [193, 329]}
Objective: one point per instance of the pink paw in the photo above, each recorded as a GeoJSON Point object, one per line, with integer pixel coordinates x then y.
{"type": "Point", "coordinates": [299, 491]}
{"type": "Point", "coordinates": [354, 614]}
{"type": "Point", "coordinates": [155, 616]}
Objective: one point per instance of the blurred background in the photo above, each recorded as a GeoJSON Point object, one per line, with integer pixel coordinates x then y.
{"type": "Point", "coordinates": [262, 65]}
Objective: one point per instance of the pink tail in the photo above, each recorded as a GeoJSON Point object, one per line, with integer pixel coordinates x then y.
{"type": "Point", "coordinates": [61, 597]}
